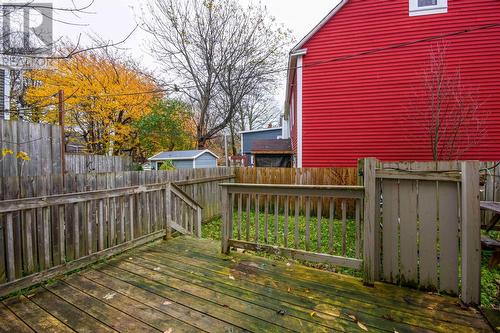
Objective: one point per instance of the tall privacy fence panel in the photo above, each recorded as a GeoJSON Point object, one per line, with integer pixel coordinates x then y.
{"type": "Point", "coordinates": [42, 145]}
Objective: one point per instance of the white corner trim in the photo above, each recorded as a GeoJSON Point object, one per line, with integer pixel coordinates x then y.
{"type": "Point", "coordinates": [194, 163]}
{"type": "Point", "coordinates": [241, 142]}
{"type": "Point", "coordinates": [299, 111]}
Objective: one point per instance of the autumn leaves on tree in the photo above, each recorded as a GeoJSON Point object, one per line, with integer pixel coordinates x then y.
{"type": "Point", "coordinates": [111, 105]}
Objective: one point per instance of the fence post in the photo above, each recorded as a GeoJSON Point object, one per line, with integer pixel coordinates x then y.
{"type": "Point", "coordinates": [168, 209]}
{"type": "Point", "coordinates": [471, 233]}
{"type": "Point", "coordinates": [198, 222]}
{"type": "Point", "coordinates": [225, 219]}
{"type": "Point", "coordinates": [370, 202]}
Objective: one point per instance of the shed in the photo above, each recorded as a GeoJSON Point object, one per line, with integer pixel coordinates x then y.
{"type": "Point", "coordinates": [186, 159]}
{"type": "Point", "coordinates": [275, 153]}
{"type": "Point", "coordinates": [249, 137]}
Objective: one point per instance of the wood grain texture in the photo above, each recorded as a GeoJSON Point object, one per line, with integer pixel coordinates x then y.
{"type": "Point", "coordinates": [408, 232]}
{"type": "Point", "coordinates": [428, 234]}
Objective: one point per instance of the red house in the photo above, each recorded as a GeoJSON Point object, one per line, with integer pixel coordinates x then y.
{"type": "Point", "coordinates": [361, 83]}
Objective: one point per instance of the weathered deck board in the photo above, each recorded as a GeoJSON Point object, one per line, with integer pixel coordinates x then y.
{"type": "Point", "coordinates": [186, 285]}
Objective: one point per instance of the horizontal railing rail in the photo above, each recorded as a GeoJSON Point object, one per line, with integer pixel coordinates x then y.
{"type": "Point", "coordinates": [304, 222]}
{"type": "Point", "coordinates": [46, 236]}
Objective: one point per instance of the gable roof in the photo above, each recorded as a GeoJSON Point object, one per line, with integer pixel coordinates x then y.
{"type": "Point", "coordinates": [298, 50]}
{"type": "Point", "coordinates": [180, 155]}
{"type": "Point", "coordinates": [318, 26]}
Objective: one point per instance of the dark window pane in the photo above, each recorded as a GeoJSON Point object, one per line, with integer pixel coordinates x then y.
{"type": "Point", "coordinates": [424, 3]}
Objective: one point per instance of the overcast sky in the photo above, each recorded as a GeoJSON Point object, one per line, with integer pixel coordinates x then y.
{"type": "Point", "coordinates": [115, 19]}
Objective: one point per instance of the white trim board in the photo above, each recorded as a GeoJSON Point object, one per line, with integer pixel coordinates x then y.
{"type": "Point", "coordinates": [261, 130]}
{"type": "Point", "coordinates": [299, 111]}
{"type": "Point", "coordinates": [155, 158]}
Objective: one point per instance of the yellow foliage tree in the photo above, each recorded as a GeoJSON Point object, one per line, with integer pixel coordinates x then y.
{"type": "Point", "coordinates": [103, 98]}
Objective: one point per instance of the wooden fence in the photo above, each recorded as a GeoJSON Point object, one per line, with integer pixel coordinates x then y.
{"type": "Point", "coordinates": [283, 223]}
{"type": "Point", "coordinates": [417, 228]}
{"type": "Point", "coordinates": [304, 176]}
{"type": "Point", "coordinates": [42, 143]}
{"type": "Point", "coordinates": [97, 163]}
{"type": "Point", "coordinates": [47, 236]}
{"type": "Point", "coordinates": [200, 184]}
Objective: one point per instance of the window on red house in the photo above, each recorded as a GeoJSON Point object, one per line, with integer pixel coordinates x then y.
{"type": "Point", "coordinates": [424, 3]}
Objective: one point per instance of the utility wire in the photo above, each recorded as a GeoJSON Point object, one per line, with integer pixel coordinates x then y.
{"type": "Point", "coordinates": [174, 87]}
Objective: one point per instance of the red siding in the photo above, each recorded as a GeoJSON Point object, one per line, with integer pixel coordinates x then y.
{"type": "Point", "coordinates": [363, 106]}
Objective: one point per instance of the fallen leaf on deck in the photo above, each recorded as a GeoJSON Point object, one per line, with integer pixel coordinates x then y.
{"type": "Point", "coordinates": [313, 314]}
{"type": "Point", "coordinates": [289, 289]}
{"type": "Point", "coordinates": [328, 310]}
{"type": "Point", "coordinates": [170, 330]}
{"type": "Point", "coordinates": [353, 317]}
{"type": "Point", "coordinates": [362, 326]}
{"type": "Point", "coordinates": [231, 277]}
{"type": "Point", "coordinates": [156, 269]}
{"type": "Point", "coordinates": [166, 303]}
{"type": "Point", "coordinates": [109, 296]}
{"type": "Point", "coordinates": [130, 258]}
{"type": "Point", "coordinates": [288, 264]}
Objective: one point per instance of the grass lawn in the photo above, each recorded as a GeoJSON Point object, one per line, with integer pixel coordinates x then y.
{"type": "Point", "coordinates": [490, 279]}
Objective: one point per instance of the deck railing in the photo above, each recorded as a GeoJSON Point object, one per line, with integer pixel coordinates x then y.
{"type": "Point", "coordinates": [412, 227]}
{"type": "Point", "coordinates": [47, 236]}
{"type": "Point", "coordinates": [299, 221]}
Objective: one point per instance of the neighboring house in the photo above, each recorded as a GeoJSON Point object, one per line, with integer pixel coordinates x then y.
{"type": "Point", "coordinates": [275, 153]}
{"type": "Point", "coordinates": [354, 79]}
{"type": "Point", "coordinates": [187, 159]}
{"type": "Point", "coordinates": [4, 92]}
{"type": "Point", "coordinates": [249, 137]}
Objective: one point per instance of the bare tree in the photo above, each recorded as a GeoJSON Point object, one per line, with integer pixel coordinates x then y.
{"type": "Point", "coordinates": [451, 111]}
{"type": "Point", "coordinates": [257, 110]}
{"type": "Point", "coordinates": [219, 52]}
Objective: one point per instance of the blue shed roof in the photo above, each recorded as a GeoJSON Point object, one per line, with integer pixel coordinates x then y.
{"type": "Point", "coordinates": [180, 155]}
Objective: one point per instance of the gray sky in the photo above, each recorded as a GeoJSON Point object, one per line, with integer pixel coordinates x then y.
{"type": "Point", "coordinates": [115, 19]}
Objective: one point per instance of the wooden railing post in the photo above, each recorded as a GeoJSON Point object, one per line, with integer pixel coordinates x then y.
{"type": "Point", "coordinates": [198, 222]}
{"type": "Point", "coordinates": [168, 209]}
{"type": "Point", "coordinates": [225, 220]}
{"type": "Point", "coordinates": [471, 233]}
{"type": "Point", "coordinates": [369, 230]}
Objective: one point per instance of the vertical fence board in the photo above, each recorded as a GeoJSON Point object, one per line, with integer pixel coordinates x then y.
{"type": "Point", "coordinates": [390, 237]}
{"type": "Point", "coordinates": [408, 231]}
{"type": "Point", "coordinates": [428, 244]}
{"type": "Point", "coordinates": [448, 235]}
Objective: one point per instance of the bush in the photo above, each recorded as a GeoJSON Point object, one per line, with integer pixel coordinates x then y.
{"type": "Point", "coordinates": [167, 166]}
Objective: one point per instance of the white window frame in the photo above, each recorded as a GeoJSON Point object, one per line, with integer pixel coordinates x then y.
{"type": "Point", "coordinates": [440, 8]}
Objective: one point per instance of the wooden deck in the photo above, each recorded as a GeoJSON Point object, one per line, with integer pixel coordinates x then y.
{"type": "Point", "coordinates": [185, 285]}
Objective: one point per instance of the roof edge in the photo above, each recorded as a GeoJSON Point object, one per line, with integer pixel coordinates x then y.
{"type": "Point", "coordinates": [206, 151]}
{"type": "Point", "coordinates": [319, 25]}
{"type": "Point", "coordinates": [261, 130]}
